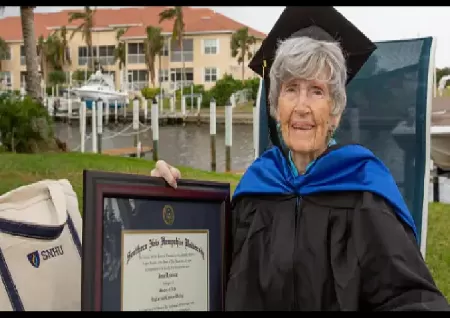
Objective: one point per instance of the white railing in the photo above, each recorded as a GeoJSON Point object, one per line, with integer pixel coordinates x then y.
{"type": "Point", "coordinates": [136, 58]}
{"type": "Point", "coordinates": [106, 60]}
{"type": "Point", "coordinates": [175, 56]}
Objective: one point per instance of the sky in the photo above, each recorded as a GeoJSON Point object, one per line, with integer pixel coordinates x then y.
{"type": "Point", "coordinates": [377, 23]}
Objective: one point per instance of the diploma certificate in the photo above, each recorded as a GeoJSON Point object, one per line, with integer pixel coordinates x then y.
{"type": "Point", "coordinates": [164, 270]}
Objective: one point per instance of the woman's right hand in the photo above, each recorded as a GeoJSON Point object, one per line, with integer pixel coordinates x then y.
{"type": "Point", "coordinates": [167, 172]}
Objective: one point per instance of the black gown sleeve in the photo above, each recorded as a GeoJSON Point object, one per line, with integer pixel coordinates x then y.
{"type": "Point", "coordinates": [394, 275]}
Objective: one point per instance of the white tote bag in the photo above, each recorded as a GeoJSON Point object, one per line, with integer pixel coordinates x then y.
{"type": "Point", "coordinates": [40, 248]}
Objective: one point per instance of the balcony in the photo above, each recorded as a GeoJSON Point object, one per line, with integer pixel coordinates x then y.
{"type": "Point", "coordinates": [106, 60]}
{"type": "Point", "coordinates": [136, 58]}
{"type": "Point", "coordinates": [175, 56]}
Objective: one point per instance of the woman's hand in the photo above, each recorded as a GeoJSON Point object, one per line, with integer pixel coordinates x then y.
{"type": "Point", "coordinates": [167, 172]}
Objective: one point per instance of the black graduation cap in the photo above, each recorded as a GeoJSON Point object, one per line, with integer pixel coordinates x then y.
{"type": "Point", "coordinates": [320, 23]}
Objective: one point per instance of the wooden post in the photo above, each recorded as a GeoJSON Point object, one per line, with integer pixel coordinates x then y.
{"type": "Point", "coordinates": [199, 104]}
{"type": "Point", "coordinates": [155, 129]}
{"type": "Point", "coordinates": [228, 134]}
{"type": "Point", "coordinates": [136, 123]}
{"type": "Point", "coordinates": [99, 125]}
{"type": "Point", "coordinates": [107, 112]}
{"type": "Point", "coordinates": [69, 106]}
{"type": "Point", "coordinates": [116, 113]}
{"type": "Point", "coordinates": [94, 127]}
{"type": "Point", "coordinates": [183, 106]}
{"type": "Point", "coordinates": [233, 100]}
{"type": "Point", "coordinates": [82, 115]}
{"type": "Point", "coordinates": [145, 103]}
{"type": "Point", "coordinates": [212, 132]}
{"type": "Point", "coordinates": [192, 98]}
{"type": "Point", "coordinates": [436, 194]}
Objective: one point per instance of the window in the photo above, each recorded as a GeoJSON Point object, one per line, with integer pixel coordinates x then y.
{"type": "Point", "coordinates": [5, 80]}
{"type": "Point", "coordinates": [6, 56]}
{"type": "Point", "coordinates": [165, 50]}
{"type": "Point", "coordinates": [84, 56]}
{"type": "Point", "coordinates": [210, 46]}
{"type": "Point", "coordinates": [163, 76]}
{"type": "Point", "coordinates": [176, 74]}
{"type": "Point", "coordinates": [137, 79]}
{"type": "Point", "coordinates": [106, 54]}
{"type": "Point", "coordinates": [188, 51]}
{"type": "Point", "coordinates": [22, 55]}
{"type": "Point", "coordinates": [23, 81]}
{"type": "Point", "coordinates": [210, 74]}
{"type": "Point", "coordinates": [136, 53]}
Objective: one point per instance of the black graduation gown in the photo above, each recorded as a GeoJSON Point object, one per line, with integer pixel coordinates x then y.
{"type": "Point", "coordinates": [346, 250]}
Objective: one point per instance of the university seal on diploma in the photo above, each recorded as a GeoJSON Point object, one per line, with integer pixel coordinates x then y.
{"type": "Point", "coordinates": [138, 255]}
{"type": "Point", "coordinates": [168, 215]}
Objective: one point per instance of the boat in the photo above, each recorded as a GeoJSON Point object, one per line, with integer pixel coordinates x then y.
{"type": "Point", "coordinates": [440, 132]}
{"type": "Point", "coordinates": [63, 103]}
{"type": "Point", "coordinates": [100, 87]}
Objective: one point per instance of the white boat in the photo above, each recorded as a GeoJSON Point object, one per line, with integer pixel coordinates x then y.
{"type": "Point", "coordinates": [440, 146]}
{"type": "Point", "coordinates": [63, 103]}
{"type": "Point", "coordinates": [100, 87]}
{"type": "Point", "coordinates": [440, 132]}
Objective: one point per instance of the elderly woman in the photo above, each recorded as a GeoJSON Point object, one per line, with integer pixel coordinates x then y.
{"type": "Point", "coordinates": [323, 227]}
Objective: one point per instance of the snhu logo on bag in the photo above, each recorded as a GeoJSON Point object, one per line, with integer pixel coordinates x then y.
{"type": "Point", "coordinates": [35, 257]}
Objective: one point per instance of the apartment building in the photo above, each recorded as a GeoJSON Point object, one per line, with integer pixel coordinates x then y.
{"type": "Point", "coordinates": [206, 46]}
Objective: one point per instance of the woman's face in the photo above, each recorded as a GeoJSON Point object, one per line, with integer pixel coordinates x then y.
{"type": "Point", "coordinates": [304, 114]}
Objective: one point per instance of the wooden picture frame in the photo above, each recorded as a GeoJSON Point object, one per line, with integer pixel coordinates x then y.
{"type": "Point", "coordinates": [159, 233]}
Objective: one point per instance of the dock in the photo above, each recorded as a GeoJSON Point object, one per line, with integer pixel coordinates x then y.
{"type": "Point", "coordinates": [127, 152]}
{"type": "Point", "coordinates": [165, 118]}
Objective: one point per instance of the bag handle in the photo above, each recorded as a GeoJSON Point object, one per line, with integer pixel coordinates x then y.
{"type": "Point", "coordinates": [58, 199]}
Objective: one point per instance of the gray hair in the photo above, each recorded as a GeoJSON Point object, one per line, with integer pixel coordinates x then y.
{"type": "Point", "coordinates": [306, 58]}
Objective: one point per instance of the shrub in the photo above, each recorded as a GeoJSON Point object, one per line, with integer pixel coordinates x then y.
{"type": "Point", "coordinates": [25, 126]}
{"type": "Point", "coordinates": [149, 92]}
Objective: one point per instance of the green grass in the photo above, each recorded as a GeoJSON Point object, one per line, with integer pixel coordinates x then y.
{"type": "Point", "coordinates": [21, 169]}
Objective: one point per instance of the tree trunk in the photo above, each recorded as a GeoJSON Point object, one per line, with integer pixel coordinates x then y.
{"type": "Point", "coordinates": [29, 42]}
{"type": "Point", "coordinates": [91, 62]}
{"type": "Point", "coordinates": [183, 69]}
{"type": "Point", "coordinates": [243, 65]}
{"type": "Point", "coordinates": [160, 76]}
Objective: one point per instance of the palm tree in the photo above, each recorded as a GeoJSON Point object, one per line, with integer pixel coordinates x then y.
{"type": "Point", "coordinates": [120, 51]}
{"type": "Point", "coordinates": [240, 46]}
{"type": "Point", "coordinates": [153, 45]}
{"type": "Point", "coordinates": [4, 48]}
{"type": "Point", "coordinates": [64, 50]}
{"type": "Point", "coordinates": [31, 59]}
{"type": "Point", "coordinates": [176, 14]}
{"type": "Point", "coordinates": [42, 51]}
{"type": "Point", "coordinates": [87, 23]}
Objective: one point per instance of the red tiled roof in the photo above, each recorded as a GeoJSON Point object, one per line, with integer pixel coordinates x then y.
{"type": "Point", "coordinates": [195, 20]}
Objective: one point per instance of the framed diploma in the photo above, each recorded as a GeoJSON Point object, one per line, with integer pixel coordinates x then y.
{"type": "Point", "coordinates": [149, 247]}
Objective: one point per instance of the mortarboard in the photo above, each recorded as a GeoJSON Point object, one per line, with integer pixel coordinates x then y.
{"type": "Point", "coordinates": [320, 23]}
